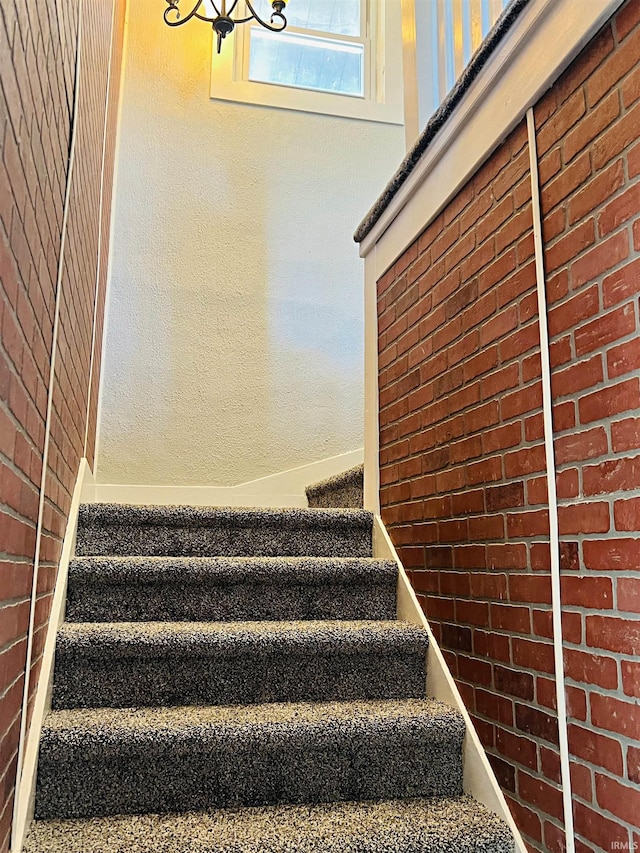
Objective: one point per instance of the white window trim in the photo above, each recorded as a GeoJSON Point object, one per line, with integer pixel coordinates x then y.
{"type": "Point", "coordinates": [383, 100]}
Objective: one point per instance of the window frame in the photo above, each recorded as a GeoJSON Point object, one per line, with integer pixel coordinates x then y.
{"type": "Point", "coordinates": [383, 93]}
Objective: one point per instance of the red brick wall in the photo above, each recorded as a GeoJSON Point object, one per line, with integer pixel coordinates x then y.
{"type": "Point", "coordinates": [37, 73]}
{"type": "Point", "coordinates": [463, 488]}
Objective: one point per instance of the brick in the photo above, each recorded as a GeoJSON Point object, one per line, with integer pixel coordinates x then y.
{"type": "Point", "coordinates": [619, 210]}
{"type": "Point", "coordinates": [591, 669]}
{"type": "Point", "coordinates": [496, 272]}
{"type": "Point", "coordinates": [570, 245]}
{"type": "Point", "coordinates": [524, 524]}
{"type": "Point", "coordinates": [575, 697]}
{"type": "Point", "coordinates": [540, 556]}
{"type": "Point", "coordinates": [625, 435]}
{"type": "Point", "coordinates": [579, 376]}
{"type": "Point", "coordinates": [591, 126]}
{"type": "Point", "coordinates": [506, 555]}
{"type": "Point", "coordinates": [480, 417]}
{"type": "Point", "coordinates": [533, 654]}
{"type": "Point", "coordinates": [597, 828]}
{"type": "Point", "coordinates": [541, 794]}
{"type": "Point", "coordinates": [573, 311]}
{"type": "Point", "coordinates": [616, 138]}
{"type": "Point", "coordinates": [613, 69]}
{"type": "Point", "coordinates": [530, 589]}
{"type": "Point", "coordinates": [560, 351]}
{"type": "Point", "coordinates": [612, 554]}
{"type": "Point", "coordinates": [612, 475]}
{"type": "Point", "coordinates": [518, 224]}
{"type": "Point", "coordinates": [623, 359]}
{"type": "Point", "coordinates": [627, 514]}
{"type": "Point", "coordinates": [486, 471]}
{"type": "Point", "coordinates": [549, 165]}
{"type": "Point", "coordinates": [516, 748]}
{"type": "Point", "coordinates": [584, 518]}
{"type": "Point", "coordinates": [633, 764]}
{"type": "Point", "coordinates": [591, 592]}
{"type": "Point", "coordinates": [631, 678]}
{"type": "Point", "coordinates": [493, 707]}
{"type": "Point", "coordinates": [569, 556]}
{"type": "Point", "coordinates": [619, 799]}
{"type": "Point", "coordinates": [633, 165]}
{"type": "Point", "coordinates": [513, 682]}
{"type": "Point", "coordinates": [525, 461]}
{"type": "Point", "coordinates": [604, 256]}
{"type": "Point", "coordinates": [505, 496]}
{"type": "Point", "coordinates": [629, 594]}
{"type": "Point", "coordinates": [535, 722]}
{"type": "Point", "coordinates": [626, 20]}
{"type": "Point", "coordinates": [561, 121]}
{"type": "Point", "coordinates": [456, 637]}
{"type": "Point", "coordinates": [554, 223]}
{"type": "Point", "coordinates": [499, 326]}
{"type": "Point", "coordinates": [621, 284]}
{"type": "Point", "coordinates": [481, 363]}
{"type": "Point", "coordinates": [534, 427]}
{"type": "Point", "coordinates": [554, 837]}
{"type": "Point", "coordinates": [504, 772]}
{"type": "Point", "coordinates": [522, 341]}
{"type": "Point", "coordinates": [518, 402]}
{"type": "Point", "coordinates": [605, 329]}
{"type": "Point", "coordinates": [567, 181]}
{"type": "Point", "coordinates": [491, 645]}
{"type": "Point", "coordinates": [502, 438]}
{"type": "Point", "coordinates": [571, 625]}
{"type": "Point", "coordinates": [508, 177]}
{"type": "Point", "coordinates": [616, 635]}
{"type": "Point", "coordinates": [473, 613]}
{"type": "Point", "coordinates": [528, 821]}
{"type": "Point", "coordinates": [596, 191]}
{"type": "Point", "coordinates": [537, 491]}
{"type": "Point", "coordinates": [580, 781]}
{"type": "Point", "coordinates": [471, 500]}
{"type": "Point", "coordinates": [610, 401]}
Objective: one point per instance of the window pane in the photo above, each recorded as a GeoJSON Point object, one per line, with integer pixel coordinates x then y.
{"type": "Point", "coordinates": [329, 16]}
{"type": "Point", "coordinates": [290, 59]}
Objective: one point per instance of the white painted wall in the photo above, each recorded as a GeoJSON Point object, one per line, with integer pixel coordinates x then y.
{"type": "Point", "coordinates": [234, 341]}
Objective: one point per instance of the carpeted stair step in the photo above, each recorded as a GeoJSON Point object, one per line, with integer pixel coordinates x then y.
{"type": "Point", "coordinates": [129, 664]}
{"type": "Point", "coordinates": [120, 529]}
{"type": "Point", "coordinates": [138, 589]}
{"type": "Point", "coordinates": [341, 490]}
{"type": "Point", "coordinates": [446, 825]}
{"type": "Point", "coordinates": [105, 761]}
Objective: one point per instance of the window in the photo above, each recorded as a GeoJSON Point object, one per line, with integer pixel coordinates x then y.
{"type": "Point", "coordinates": [335, 57]}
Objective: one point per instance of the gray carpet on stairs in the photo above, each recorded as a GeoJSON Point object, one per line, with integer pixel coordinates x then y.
{"type": "Point", "coordinates": [128, 664]}
{"type": "Point", "coordinates": [444, 825]}
{"type": "Point", "coordinates": [203, 531]}
{"type": "Point", "coordinates": [139, 589]}
{"type": "Point", "coordinates": [259, 704]}
{"type": "Point", "coordinates": [341, 490]}
{"type": "Point", "coordinates": [117, 761]}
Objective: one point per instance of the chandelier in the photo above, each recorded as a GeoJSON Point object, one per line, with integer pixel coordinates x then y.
{"type": "Point", "coordinates": [221, 19]}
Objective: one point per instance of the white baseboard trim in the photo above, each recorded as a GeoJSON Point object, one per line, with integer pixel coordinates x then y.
{"type": "Point", "coordinates": [479, 780]}
{"type": "Point", "coordinates": [284, 489]}
{"type": "Point", "coordinates": [26, 788]}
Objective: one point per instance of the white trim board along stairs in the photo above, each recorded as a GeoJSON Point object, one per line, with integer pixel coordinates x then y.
{"type": "Point", "coordinates": [234, 681]}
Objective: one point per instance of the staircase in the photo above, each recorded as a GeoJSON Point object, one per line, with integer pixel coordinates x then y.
{"type": "Point", "coordinates": [342, 490]}
{"type": "Point", "coordinates": [235, 681]}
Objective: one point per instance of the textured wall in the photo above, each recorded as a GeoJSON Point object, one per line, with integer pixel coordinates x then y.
{"type": "Point", "coordinates": [463, 473]}
{"type": "Point", "coordinates": [37, 65]}
{"type": "Point", "coordinates": [234, 333]}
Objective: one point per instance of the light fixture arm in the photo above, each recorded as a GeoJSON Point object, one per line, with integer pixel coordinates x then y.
{"type": "Point", "coordinates": [223, 23]}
